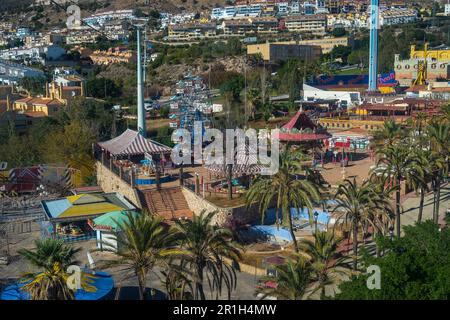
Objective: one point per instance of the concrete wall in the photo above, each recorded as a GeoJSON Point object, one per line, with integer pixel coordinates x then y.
{"type": "Point", "coordinates": [197, 204]}
{"type": "Point", "coordinates": [110, 182]}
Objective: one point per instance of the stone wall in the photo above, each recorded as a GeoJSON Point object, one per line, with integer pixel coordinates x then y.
{"type": "Point", "coordinates": [197, 204]}
{"type": "Point", "coordinates": [110, 182]}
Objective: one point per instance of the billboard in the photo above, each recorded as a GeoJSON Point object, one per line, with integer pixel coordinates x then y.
{"type": "Point", "coordinates": [384, 79]}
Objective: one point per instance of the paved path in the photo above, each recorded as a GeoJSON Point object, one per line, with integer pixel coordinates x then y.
{"type": "Point", "coordinates": [411, 207]}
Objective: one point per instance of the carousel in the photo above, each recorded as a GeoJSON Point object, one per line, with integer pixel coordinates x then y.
{"type": "Point", "coordinates": [301, 129]}
{"type": "Point", "coordinates": [234, 178]}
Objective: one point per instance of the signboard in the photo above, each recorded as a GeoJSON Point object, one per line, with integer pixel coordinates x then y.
{"type": "Point", "coordinates": [386, 79]}
{"type": "Point", "coordinates": [217, 107]}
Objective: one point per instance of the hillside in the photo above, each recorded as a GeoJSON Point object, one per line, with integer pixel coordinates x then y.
{"type": "Point", "coordinates": [24, 13]}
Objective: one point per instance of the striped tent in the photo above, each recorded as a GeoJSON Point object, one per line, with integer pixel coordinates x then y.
{"type": "Point", "coordinates": [132, 143]}
{"type": "Point", "coordinates": [244, 163]}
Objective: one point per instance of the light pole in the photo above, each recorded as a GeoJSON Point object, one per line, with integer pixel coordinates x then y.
{"type": "Point", "coordinates": [316, 216]}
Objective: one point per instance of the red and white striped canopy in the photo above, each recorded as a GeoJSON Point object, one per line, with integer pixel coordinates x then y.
{"type": "Point", "coordinates": [132, 143]}
{"type": "Point", "coordinates": [245, 162]}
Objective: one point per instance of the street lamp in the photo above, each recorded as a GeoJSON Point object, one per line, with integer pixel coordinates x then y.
{"type": "Point", "coordinates": [391, 233]}
{"type": "Point", "coordinates": [316, 216]}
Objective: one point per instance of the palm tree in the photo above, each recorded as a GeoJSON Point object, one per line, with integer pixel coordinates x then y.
{"type": "Point", "coordinates": [207, 247]}
{"type": "Point", "coordinates": [327, 263]}
{"type": "Point", "coordinates": [397, 162]}
{"type": "Point", "coordinates": [291, 282]}
{"type": "Point", "coordinates": [253, 97]}
{"type": "Point", "coordinates": [50, 284]}
{"type": "Point", "coordinates": [439, 133]}
{"type": "Point", "coordinates": [360, 205]}
{"type": "Point", "coordinates": [421, 178]}
{"type": "Point", "coordinates": [53, 258]}
{"type": "Point", "coordinates": [286, 189]}
{"type": "Point", "coordinates": [390, 133]}
{"type": "Point", "coordinates": [47, 252]}
{"type": "Point", "coordinates": [177, 281]}
{"type": "Point", "coordinates": [145, 242]}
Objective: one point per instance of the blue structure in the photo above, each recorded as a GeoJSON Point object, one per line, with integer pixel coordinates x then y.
{"type": "Point", "coordinates": [260, 231]}
{"type": "Point", "coordinates": [373, 58]}
{"type": "Point", "coordinates": [336, 81]}
{"type": "Point", "coordinates": [323, 217]}
{"type": "Point", "coordinates": [103, 282]}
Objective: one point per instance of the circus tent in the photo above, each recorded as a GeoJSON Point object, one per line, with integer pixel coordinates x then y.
{"type": "Point", "coordinates": [131, 143]}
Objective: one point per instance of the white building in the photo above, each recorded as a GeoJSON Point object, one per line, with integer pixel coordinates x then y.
{"type": "Point", "coordinates": [11, 73]}
{"type": "Point", "coordinates": [295, 7]}
{"type": "Point", "coordinates": [283, 8]}
{"type": "Point", "coordinates": [345, 98]}
{"type": "Point", "coordinates": [396, 16]}
{"type": "Point", "coordinates": [447, 9]}
{"type": "Point", "coordinates": [37, 54]}
{"type": "Point", "coordinates": [99, 19]}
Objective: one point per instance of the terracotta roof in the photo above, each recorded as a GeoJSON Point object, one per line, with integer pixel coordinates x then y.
{"type": "Point", "coordinates": [24, 100]}
{"type": "Point", "coordinates": [35, 114]}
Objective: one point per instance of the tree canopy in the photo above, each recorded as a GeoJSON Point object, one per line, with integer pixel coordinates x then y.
{"type": "Point", "coordinates": [415, 266]}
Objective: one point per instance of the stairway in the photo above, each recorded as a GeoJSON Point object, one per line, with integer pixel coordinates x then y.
{"type": "Point", "coordinates": [168, 203]}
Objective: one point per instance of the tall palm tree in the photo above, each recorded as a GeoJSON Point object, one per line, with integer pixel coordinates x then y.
{"type": "Point", "coordinates": [52, 257]}
{"type": "Point", "coordinates": [390, 133]}
{"type": "Point", "coordinates": [327, 263]}
{"type": "Point", "coordinates": [286, 189]}
{"type": "Point", "coordinates": [359, 206]}
{"type": "Point", "coordinates": [291, 281]}
{"type": "Point", "coordinates": [145, 242]}
{"type": "Point", "coordinates": [397, 162]}
{"type": "Point", "coordinates": [439, 133]}
{"type": "Point", "coordinates": [421, 178]}
{"type": "Point", "coordinates": [207, 247]}
{"type": "Point", "coordinates": [177, 281]}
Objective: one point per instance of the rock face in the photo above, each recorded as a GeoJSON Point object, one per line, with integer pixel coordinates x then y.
{"type": "Point", "coordinates": [167, 75]}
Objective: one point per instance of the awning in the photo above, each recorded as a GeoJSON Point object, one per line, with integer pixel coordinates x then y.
{"type": "Point", "coordinates": [112, 221]}
{"type": "Point", "coordinates": [132, 143]}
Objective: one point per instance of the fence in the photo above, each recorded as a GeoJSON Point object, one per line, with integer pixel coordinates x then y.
{"type": "Point", "coordinates": [209, 188]}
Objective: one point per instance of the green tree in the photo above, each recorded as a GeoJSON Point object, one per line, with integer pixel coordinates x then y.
{"type": "Point", "coordinates": [234, 86]}
{"type": "Point", "coordinates": [145, 242]}
{"type": "Point", "coordinates": [285, 190]}
{"type": "Point", "coordinates": [52, 258]}
{"type": "Point", "coordinates": [397, 163]}
{"type": "Point", "coordinates": [102, 88]}
{"type": "Point", "coordinates": [72, 145]}
{"type": "Point", "coordinates": [415, 267]}
{"type": "Point", "coordinates": [35, 86]}
{"type": "Point", "coordinates": [327, 263]}
{"type": "Point", "coordinates": [359, 206]}
{"type": "Point", "coordinates": [206, 247]}
{"type": "Point", "coordinates": [390, 133]}
{"type": "Point", "coordinates": [439, 133]}
{"type": "Point", "coordinates": [292, 280]}
{"type": "Point", "coordinates": [47, 252]}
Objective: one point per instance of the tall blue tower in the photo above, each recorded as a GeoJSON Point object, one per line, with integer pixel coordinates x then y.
{"type": "Point", "coordinates": [373, 58]}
